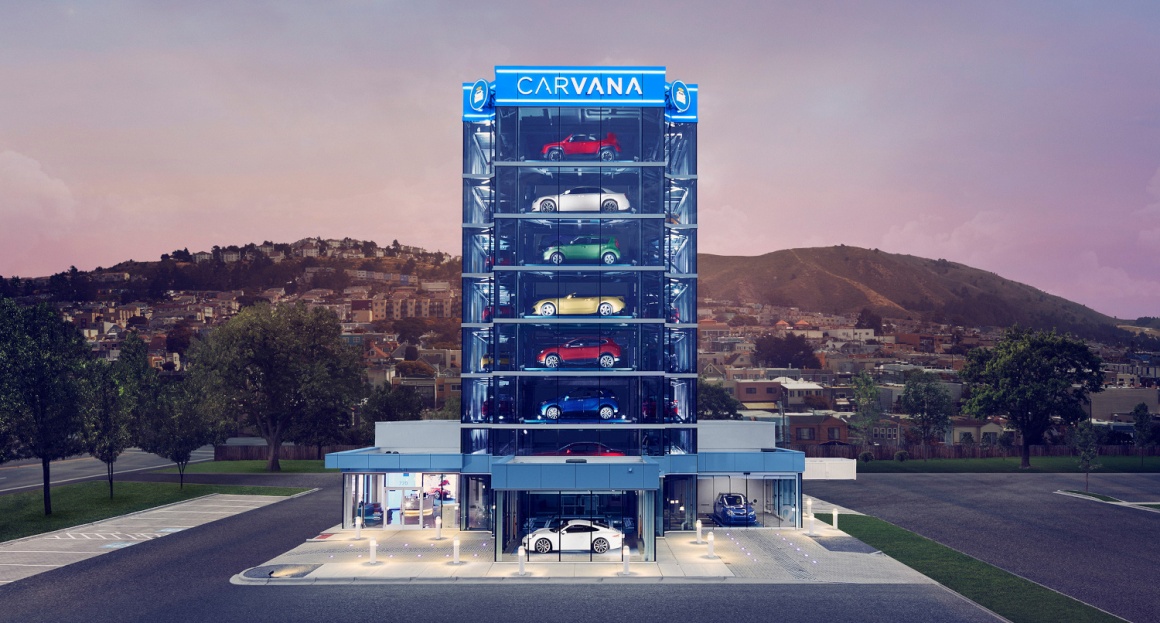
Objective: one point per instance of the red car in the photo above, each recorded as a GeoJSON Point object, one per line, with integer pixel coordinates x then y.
{"type": "Point", "coordinates": [583, 448]}
{"type": "Point", "coordinates": [606, 149]}
{"type": "Point", "coordinates": [602, 350]}
{"type": "Point", "coordinates": [502, 311]}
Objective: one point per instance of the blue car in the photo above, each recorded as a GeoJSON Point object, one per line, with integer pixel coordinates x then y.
{"type": "Point", "coordinates": [732, 509]}
{"type": "Point", "coordinates": [582, 401]}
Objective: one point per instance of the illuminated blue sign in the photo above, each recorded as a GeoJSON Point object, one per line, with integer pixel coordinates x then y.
{"type": "Point", "coordinates": [621, 86]}
{"type": "Point", "coordinates": [579, 86]}
{"type": "Point", "coordinates": [477, 98]}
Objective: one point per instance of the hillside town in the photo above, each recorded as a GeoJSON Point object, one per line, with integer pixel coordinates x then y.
{"type": "Point", "coordinates": [392, 309]}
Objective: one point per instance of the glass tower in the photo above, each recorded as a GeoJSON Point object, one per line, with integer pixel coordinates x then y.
{"type": "Point", "coordinates": [579, 268]}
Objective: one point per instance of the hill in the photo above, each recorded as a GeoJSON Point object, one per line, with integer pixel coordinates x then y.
{"type": "Point", "coordinates": [846, 279]}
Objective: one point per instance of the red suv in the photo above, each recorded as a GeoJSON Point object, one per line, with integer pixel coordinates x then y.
{"type": "Point", "coordinates": [606, 149]}
{"type": "Point", "coordinates": [581, 350]}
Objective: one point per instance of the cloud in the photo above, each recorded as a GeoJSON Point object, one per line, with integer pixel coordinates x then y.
{"type": "Point", "coordinates": [29, 196]}
{"type": "Point", "coordinates": [1149, 234]}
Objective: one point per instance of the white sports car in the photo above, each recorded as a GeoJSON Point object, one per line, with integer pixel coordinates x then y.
{"type": "Point", "coordinates": [582, 199]}
{"type": "Point", "coordinates": [577, 534]}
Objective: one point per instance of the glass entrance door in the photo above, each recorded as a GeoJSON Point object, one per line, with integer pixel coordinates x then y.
{"type": "Point", "coordinates": [406, 508]}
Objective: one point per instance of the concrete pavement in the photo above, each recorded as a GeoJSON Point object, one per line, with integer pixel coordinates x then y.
{"type": "Point", "coordinates": [740, 556]}
{"type": "Point", "coordinates": [32, 555]}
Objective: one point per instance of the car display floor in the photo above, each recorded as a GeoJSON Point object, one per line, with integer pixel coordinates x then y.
{"type": "Point", "coordinates": [755, 555]}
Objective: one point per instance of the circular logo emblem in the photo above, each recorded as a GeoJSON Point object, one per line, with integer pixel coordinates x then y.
{"type": "Point", "coordinates": [679, 96]}
{"type": "Point", "coordinates": [478, 96]}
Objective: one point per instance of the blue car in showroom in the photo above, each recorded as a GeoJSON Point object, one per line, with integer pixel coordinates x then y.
{"type": "Point", "coordinates": [582, 401]}
{"type": "Point", "coordinates": [731, 509]}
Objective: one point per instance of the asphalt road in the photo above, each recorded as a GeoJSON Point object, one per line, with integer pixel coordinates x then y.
{"type": "Point", "coordinates": [1098, 553]}
{"type": "Point", "coordinates": [185, 577]}
{"type": "Point", "coordinates": [25, 475]}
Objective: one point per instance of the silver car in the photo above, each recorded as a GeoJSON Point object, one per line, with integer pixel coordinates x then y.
{"type": "Point", "coordinates": [583, 199]}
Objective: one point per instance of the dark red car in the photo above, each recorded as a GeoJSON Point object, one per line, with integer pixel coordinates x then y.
{"type": "Point", "coordinates": [602, 350]}
{"type": "Point", "coordinates": [606, 149]}
{"type": "Point", "coordinates": [584, 448]}
{"type": "Point", "coordinates": [501, 311]}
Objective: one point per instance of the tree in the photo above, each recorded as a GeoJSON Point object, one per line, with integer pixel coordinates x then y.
{"type": "Point", "coordinates": [41, 366]}
{"type": "Point", "coordinates": [714, 402]}
{"type": "Point", "coordinates": [929, 405]}
{"type": "Point", "coordinates": [1088, 448]}
{"type": "Point", "coordinates": [792, 351]}
{"type": "Point", "coordinates": [387, 403]}
{"type": "Point", "coordinates": [414, 368]}
{"type": "Point", "coordinates": [1142, 425]}
{"type": "Point", "coordinates": [108, 416]}
{"type": "Point", "coordinates": [869, 320]}
{"type": "Point", "coordinates": [179, 417]}
{"type": "Point", "coordinates": [867, 409]}
{"type": "Point", "coordinates": [410, 329]}
{"type": "Point", "coordinates": [1032, 377]}
{"type": "Point", "coordinates": [279, 367]}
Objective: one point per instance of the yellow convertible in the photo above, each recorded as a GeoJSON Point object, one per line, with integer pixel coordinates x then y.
{"type": "Point", "coordinates": [575, 305]}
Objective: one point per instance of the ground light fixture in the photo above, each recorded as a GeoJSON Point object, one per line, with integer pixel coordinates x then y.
{"type": "Point", "coordinates": [358, 528]}
{"type": "Point", "coordinates": [455, 551]}
{"type": "Point", "coordinates": [624, 555]}
{"type": "Point", "coordinates": [698, 541]}
{"type": "Point", "coordinates": [374, 552]}
{"type": "Point", "coordinates": [835, 512]}
{"type": "Point", "coordinates": [521, 555]}
{"type": "Point", "coordinates": [711, 555]}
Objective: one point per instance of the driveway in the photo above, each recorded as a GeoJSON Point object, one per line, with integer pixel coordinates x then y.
{"type": "Point", "coordinates": [1101, 554]}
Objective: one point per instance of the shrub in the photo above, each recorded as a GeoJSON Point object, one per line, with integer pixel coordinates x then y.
{"type": "Point", "coordinates": [902, 456]}
{"type": "Point", "coordinates": [866, 457]}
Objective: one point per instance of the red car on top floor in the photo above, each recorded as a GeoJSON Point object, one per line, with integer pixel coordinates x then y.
{"type": "Point", "coordinates": [578, 144]}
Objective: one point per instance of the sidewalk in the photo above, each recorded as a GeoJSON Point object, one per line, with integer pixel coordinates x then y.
{"type": "Point", "coordinates": [31, 555]}
{"type": "Point", "coordinates": [741, 555]}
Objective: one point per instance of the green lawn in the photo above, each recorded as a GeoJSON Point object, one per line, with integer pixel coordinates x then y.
{"type": "Point", "coordinates": [22, 514]}
{"type": "Point", "coordinates": [1019, 600]}
{"type": "Point", "coordinates": [1039, 464]}
{"type": "Point", "coordinates": [251, 467]}
{"type": "Point", "coordinates": [1098, 496]}
{"type": "Point", "coordinates": [1155, 506]}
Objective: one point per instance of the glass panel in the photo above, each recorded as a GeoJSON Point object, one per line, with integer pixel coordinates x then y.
{"type": "Point", "coordinates": [680, 503]}
{"type": "Point", "coordinates": [681, 350]}
{"type": "Point", "coordinates": [475, 400]}
{"type": "Point", "coordinates": [681, 202]}
{"type": "Point", "coordinates": [477, 148]}
{"type": "Point", "coordinates": [682, 296]}
{"type": "Point", "coordinates": [478, 504]}
{"type": "Point", "coordinates": [506, 134]}
{"type": "Point", "coordinates": [478, 201]}
{"type": "Point", "coordinates": [477, 299]}
{"type": "Point", "coordinates": [478, 352]}
{"type": "Point", "coordinates": [652, 134]}
{"type": "Point", "coordinates": [682, 149]}
{"type": "Point", "coordinates": [682, 400]}
{"type": "Point", "coordinates": [682, 249]}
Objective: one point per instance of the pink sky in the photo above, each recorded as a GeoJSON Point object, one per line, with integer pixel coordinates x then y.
{"type": "Point", "coordinates": [1020, 138]}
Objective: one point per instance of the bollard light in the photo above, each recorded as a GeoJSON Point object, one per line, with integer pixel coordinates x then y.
{"type": "Point", "coordinates": [358, 528]}
{"type": "Point", "coordinates": [698, 541]}
{"type": "Point", "coordinates": [624, 555]}
{"type": "Point", "coordinates": [811, 532]}
{"type": "Point", "coordinates": [835, 510]}
{"type": "Point", "coordinates": [374, 552]}
{"type": "Point", "coordinates": [438, 528]}
{"type": "Point", "coordinates": [455, 550]}
{"type": "Point", "coordinates": [521, 554]}
{"type": "Point", "coordinates": [711, 539]}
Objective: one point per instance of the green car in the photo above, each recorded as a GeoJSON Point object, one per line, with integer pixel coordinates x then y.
{"type": "Point", "coordinates": [584, 249]}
